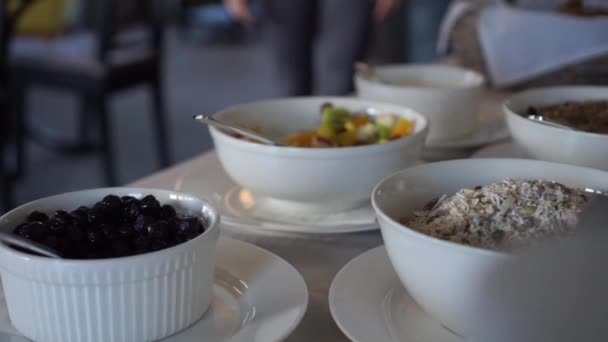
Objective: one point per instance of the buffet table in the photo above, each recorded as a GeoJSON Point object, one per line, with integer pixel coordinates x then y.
{"type": "Point", "coordinates": [317, 257]}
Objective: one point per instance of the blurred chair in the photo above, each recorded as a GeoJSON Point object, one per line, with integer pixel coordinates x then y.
{"type": "Point", "coordinates": [95, 65]}
{"type": "Point", "coordinates": [6, 176]}
{"type": "Point", "coordinates": [8, 172]}
{"type": "Point", "coordinates": [6, 193]}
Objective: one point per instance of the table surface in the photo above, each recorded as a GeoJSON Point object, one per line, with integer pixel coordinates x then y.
{"type": "Point", "coordinates": [317, 257]}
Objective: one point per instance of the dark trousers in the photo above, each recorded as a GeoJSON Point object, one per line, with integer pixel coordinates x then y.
{"type": "Point", "coordinates": [314, 43]}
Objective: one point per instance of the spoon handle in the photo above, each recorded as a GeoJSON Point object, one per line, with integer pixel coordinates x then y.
{"type": "Point", "coordinates": [234, 128]}
{"type": "Point", "coordinates": [31, 246]}
{"type": "Point", "coordinates": [366, 71]}
{"type": "Point", "coordinates": [543, 120]}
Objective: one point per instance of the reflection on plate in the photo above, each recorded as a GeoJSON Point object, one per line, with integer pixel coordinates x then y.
{"type": "Point", "coordinates": [245, 307]}
{"type": "Point", "coordinates": [368, 290]}
{"type": "Point", "coordinates": [486, 133]}
{"type": "Point", "coordinates": [503, 150]}
{"type": "Point", "coordinates": [242, 208]}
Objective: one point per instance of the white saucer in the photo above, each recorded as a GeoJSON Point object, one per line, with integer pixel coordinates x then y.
{"type": "Point", "coordinates": [462, 148]}
{"type": "Point", "coordinates": [241, 208]}
{"type": "Point", "coordinates": [369, 303]}
{"type": "Point", "coordinates": [503, 150]}
{"type": "Point", "coordinates": [487, 133]}
{"type": "Point", "coordinates": [259, 297]}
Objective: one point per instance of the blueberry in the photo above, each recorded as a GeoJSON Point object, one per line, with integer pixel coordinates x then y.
{"type": "Point", "coordinates": [20, 229]}
{"type": "Point", "coordinates": [125, 231]}
{"type": "Point", "coordinates": [37, 216]}
{"type": "Point", "coordinates": [127, 199]}
{"type": "Point", "coordinates": [150, 206]}
{"type": "Point", "coordinates": [157, 244]}
{"type": "Point", "coordinates": [81, 215]}
{"type": "Point", "coordinates": [97, 214]}
{"type": "Point", "coordinates": [64, 216]}
{"type": "Point", "coordinates": [92, 255]}
{"type": "Point", "coordinates": [188, 227]}
{"type": "Point", "coordinates": [75, 235]}
{"type": "Point", "coordinates": [167, 212]}
{"type": "Point", "coordinates": [110, 232]}
{"type": "Point", "coordinates": [113, 207]}
{"type": "Point", "coordinates": [172, 228]}
{"type": "Point", "coordinates": [57, 226]}
{"type": "Point", "coordinates": [131, 211]}
{"type": "Point", "coordinates": [52, 242]}
{"type": "Point", "coordinates": [158, 230]}
{"type": "Point", "coordinates": [35, 231]}
{"type": "Point", "coordinates": [141, 244]}
{"type": "Point", "coordinates": [120, 248]}
{"type": "Point", "coordinates": [141, 223]}
{"type": "Point", "coordinates": [74, 244]}
{"type": "Point", "coordinates": [96, 236]}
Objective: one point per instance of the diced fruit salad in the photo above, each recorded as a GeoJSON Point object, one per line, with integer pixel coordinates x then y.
{"type": "Point", "coordinates": [341, 127]}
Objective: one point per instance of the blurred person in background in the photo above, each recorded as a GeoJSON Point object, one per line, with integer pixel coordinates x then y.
{"type": "Point", "coordinates": [334, 31]}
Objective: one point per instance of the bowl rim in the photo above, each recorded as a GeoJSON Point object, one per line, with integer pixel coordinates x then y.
{"type": "Point", "coordinates": [410, 232]}
{"type": "Point", "coordinates": [32, 258]}
{"type": "Point", "coordinates": [508, 102]}
{"type": "Point", "coordinates": [478, 82]}
{"type": "Point", "coordinates": [314, 153]}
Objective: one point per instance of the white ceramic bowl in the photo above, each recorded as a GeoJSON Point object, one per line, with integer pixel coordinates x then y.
{"type": "Point", "coordinates": [446, 278]}
{"type": "Point", "coordinates": [451, 106]}
{"type": "Point", "coordinates": [551, 143]}
{"type": "Point", "coordinates": [136, 298]}
{"type": "Point", "coordinates": [312, 178]}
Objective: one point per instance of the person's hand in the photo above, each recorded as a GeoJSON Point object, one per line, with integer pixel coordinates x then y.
{"type": "Point", "coordinates": [241, 10]}
{"type": "Point", "coordinates": [384, 8]}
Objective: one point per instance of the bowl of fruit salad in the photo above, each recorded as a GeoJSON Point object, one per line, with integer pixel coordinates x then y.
{"type": "Point", "coordinates": [336, 149]}
{"type": "Point", "coordinates": [137, 265]}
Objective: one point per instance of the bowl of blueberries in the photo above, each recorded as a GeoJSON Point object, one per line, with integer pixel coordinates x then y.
{"type": "Point", "coordinates": [136, 265]}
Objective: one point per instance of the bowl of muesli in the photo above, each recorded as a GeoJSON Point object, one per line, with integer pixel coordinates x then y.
{"type": "Point", "coordinates": [584, 109]}
{"type": "Point", "coordinates": [447, 225]}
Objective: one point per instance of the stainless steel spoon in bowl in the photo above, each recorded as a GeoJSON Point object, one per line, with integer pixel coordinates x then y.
{"type": "Point", "coordinates": [237, 129]}
{"type": "Point", "coordinates": [541, 119]}
{"type": "Point", "coordinates": [34, 247]}
{"type": "Point", "coordinates": [366, 71]}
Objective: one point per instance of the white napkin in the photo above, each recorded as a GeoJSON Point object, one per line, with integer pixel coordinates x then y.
{"type": "Point", "coordinates": [521, 44]}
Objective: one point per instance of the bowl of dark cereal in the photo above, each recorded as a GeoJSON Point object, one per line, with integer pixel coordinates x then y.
{"type": "Point", "coordinates": [582, 108]}
{"type": "Point", "coordinates": [136, 264]}
{"type": "Point", "coordinates": [447, 225]}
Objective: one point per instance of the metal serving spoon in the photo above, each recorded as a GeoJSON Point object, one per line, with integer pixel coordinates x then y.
{"type": "Point", "coordinates": [541, 119]}
{"type": "Point", "coordinates": [236, 129]}
{"type": "Point", "coordinates": [366, 71]}
{"type": "Point", "coordinates": [34, 247]}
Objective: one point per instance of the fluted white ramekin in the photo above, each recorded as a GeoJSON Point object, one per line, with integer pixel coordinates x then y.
{"type": "Point", "coordinates": [137, 298]}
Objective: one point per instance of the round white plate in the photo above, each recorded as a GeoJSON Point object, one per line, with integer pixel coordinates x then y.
{"type": "Point", "coordinates": [503, 150]}
{"type": "Point", "coordinates": [241, 208]}
{"type": "Point", "coordinates": [487, 132]}
{"type": "Point", "coordinates": [369, 303]}
{"type": "Point", "coordinates": [259, 297]}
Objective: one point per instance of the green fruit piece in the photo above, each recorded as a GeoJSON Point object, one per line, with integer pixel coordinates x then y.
{"type": "Point", "coordinates": [383, 132]}
{"type": "Point", "coordinates": [325, 130]}
{"type": "Point", "coordinates": [335, 117]}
